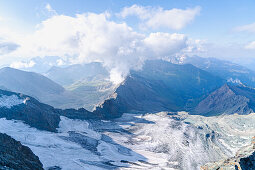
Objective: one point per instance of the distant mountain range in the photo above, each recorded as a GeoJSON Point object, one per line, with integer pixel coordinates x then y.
{"type": "Point", "coordinates": [49, 92]}
{"type": "Point", "coordinates": [29, 83]}
{"type": "Point", "coordinates": [162, 86]}
{"type": "Point", "coordinates": [89, 82]}
{"type": "Point", "coordinates": [159, 86]}
{"type": "Point", "coordinates": [66, 76]}
{"type": "Point", "coordinates": [227, 70]}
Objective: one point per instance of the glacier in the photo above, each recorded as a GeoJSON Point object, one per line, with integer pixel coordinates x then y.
{"type": "Point", "coordinates": [150, 141]}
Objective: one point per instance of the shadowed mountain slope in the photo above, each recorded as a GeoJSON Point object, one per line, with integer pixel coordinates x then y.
{"type": "Point", "coordinates": [228, 99]}
{"type": "Point", "coordinates": [161, 86]}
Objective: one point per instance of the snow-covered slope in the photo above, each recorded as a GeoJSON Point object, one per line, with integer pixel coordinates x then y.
{"type": "Point", "coordinates": [151, 141]}
{"type": "Point", "coordinates": [10, 101]}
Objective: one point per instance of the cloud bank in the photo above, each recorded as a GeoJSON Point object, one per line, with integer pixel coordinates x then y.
{"type": "Point", "coordinates": [94, 37]}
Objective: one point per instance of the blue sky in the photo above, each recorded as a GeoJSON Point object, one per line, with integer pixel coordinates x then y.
{"type": "Point", "coordinates": [215, 22]}
{"type": "Point", "coordinates": [221, 28]}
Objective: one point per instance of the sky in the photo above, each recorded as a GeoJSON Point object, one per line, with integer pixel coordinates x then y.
{"type": "Point", "coordinates": [123, 34]}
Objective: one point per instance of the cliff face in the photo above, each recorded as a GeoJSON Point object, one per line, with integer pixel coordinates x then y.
{"type": "Point", "coordinates": [13, 155]}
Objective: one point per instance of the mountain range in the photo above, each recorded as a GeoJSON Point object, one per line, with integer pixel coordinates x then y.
{"type": "Point", "coordinates": [162, 86]}
{"type": "Point", "coordinates": [227, 70]}
{"type": "Point", "coordinates": [140, 123]}
{"type": "Point", "coordinates": [47, 91]}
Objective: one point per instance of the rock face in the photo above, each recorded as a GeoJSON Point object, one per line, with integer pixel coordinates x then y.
{"type": "Point", "coordinates": [161, 86]}
{"type": "Point", "coordinates": [228, 99]}
{"type": "Point", "coordinates": [13, 155]}
{"type": "Point", "coordinates": [248, 163]}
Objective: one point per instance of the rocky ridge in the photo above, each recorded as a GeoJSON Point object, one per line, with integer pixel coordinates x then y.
{"type": "Point", "coordinates": [13, 155]}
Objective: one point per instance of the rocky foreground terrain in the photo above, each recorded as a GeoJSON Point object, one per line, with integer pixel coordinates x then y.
{"type": "Point", "coordinates": [14, 155]}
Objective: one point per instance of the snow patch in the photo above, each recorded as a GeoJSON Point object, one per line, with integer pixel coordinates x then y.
{"type": "Point", "coordinates": [235, 81]}
{"type": "Point", "coordinates": [10, 101]}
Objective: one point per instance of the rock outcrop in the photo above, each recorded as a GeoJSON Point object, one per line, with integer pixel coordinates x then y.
{"type": "Point", "coordinates": [13, 155]}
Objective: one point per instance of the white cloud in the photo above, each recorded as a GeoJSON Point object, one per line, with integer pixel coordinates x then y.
{"type": "Point", "coordinates": [165, 44]}
{"type": "Point", "coordinates": [157, 17]}
{"type": "Point", "coordinates": [21, 65]}
{"type": "Point", "coordinates": [246, 28]}
{"type": "Point", "coordinates": [139, 11]}
{"type": "Point", "coordinates": [251, 45]}
{"type": "Point", "coordinates": [94, 37]}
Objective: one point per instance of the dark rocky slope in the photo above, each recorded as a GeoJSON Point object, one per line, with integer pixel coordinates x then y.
{"type": "Point", "coordinates": [17, 106]}
{"type": "Point", "coordinates": [160, 86]}
{"type": "Point", "coordinates": [228, 99]}
{"type": "Point", "coordinates": [13, 155]}
{"type": "Point", "coordinates": [29, 110]}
